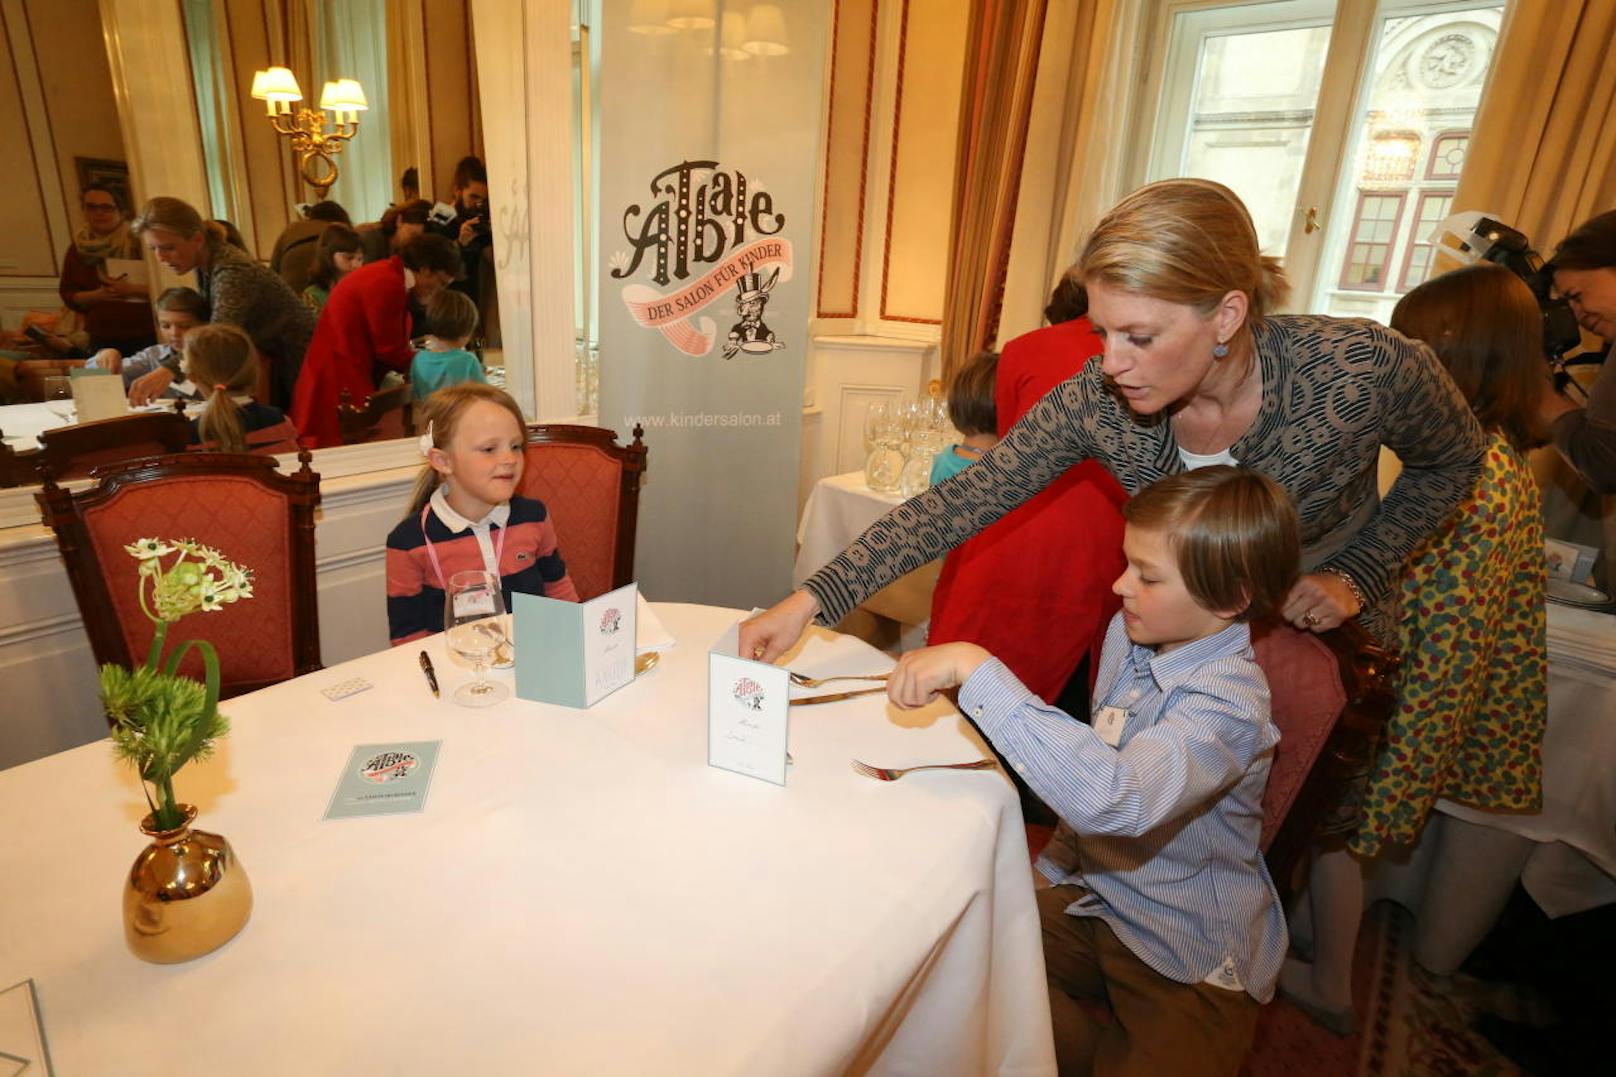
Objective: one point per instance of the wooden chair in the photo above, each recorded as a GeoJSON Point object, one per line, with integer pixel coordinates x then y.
{"type": "Point", "coordinates": [388, 414]}
{"type": "Point", "coordinates": [235, 502]}
{"type": "Point", "coordinates": [18, 468]}
{"type": "Point", "coordinates": [70, 452]}
{"type": "Point", "coordinates": [591, 485]}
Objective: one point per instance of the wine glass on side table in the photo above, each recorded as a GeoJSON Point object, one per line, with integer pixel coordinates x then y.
{"type": "Point", "coordinates": [473, 626]}
{"type": "Point", "coordinates": [59, 397]}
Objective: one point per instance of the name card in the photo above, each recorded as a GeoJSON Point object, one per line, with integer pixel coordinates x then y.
{"type": "Point", "coordinates": [99, 398]}
{"type": "Point", "coordinates": [574, 653]}
{"type": "Point", "coordinates": [747, 713]}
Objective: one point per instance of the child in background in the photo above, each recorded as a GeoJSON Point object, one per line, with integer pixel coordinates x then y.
{"type": "Point", "coordinates": [1161, 904]}
{"type": "Point", "coordinates": [224, 366]}
{"type": "Point", "coordinates": [451, 319]}
{"type": "Point", "coordinates": [466, 513]}
{"type": "Point", "coordinates": [339, 253]}
{"type": "Point", "coordinates": [157, 372]}
{"type": "Point", "coordinates": [1472, 694]}
{"type": "Point", "coordinates": [971, 410]}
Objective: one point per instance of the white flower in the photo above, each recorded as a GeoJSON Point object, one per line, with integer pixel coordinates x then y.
{"type": "Point", "coordinates": [146, 549]}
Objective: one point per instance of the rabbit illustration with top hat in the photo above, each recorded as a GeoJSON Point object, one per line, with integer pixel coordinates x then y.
{"type": "Point", "coordinates": [750, 334]}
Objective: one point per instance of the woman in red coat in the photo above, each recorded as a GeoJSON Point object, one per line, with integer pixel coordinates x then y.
{"type": "Point", "coordinates": [366, 322]}
{"type": "Point", "coordinates": [1035, 588]}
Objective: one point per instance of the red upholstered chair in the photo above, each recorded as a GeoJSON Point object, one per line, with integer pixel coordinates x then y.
{"type": "Point", "coordinates": [235, 502]}
{"type": "Point", "coordinates": [387, 415]}
{"type": "Point", "coordinates": [591, 485]}
{"type": "Point", "coordinates": [70, 452]}
{"type": "Point", "coordinates": [1331, 693]}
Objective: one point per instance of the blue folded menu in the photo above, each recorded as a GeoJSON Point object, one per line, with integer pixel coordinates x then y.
{"type": "Point", "coordinates": [574, 653]}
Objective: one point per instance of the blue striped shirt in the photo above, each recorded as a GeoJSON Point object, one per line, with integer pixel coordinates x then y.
{"type": "Point", "coordinates": [1163, 830]}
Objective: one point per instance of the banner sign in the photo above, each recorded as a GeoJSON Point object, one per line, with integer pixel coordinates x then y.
{"type": "Point", "coordinates": [708, 172]}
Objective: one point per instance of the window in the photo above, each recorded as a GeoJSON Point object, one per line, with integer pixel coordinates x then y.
{"type": "Point", "coordinates": [1429, 211]}
{"type": "Point", "coordinates": [1374, 227]}
{"type": "Point", "coordinates": [1447, 155]}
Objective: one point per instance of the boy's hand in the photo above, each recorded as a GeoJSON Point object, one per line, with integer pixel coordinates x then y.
{"type": "Point", "coordinates": [922, 674]}
{"type": "Point", "coordinates": [149, 387]}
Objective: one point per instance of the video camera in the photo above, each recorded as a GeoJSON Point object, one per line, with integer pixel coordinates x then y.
{"type": "Point", "coordinates": [1475, 237]}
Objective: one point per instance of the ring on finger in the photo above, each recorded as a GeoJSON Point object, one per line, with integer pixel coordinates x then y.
{"type": "Point", "coordinates": [1310, 620]}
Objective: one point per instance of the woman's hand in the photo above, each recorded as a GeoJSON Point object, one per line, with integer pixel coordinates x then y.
{"type": "Point", "coordinates": [149, 387]}
{"type": "Point", "coordinates": [120, 288]}
{"type": "Point", "coordinates": [922, 674]}
{"type": "Point", "coordinates": [776, 630]}
{"type": "Point", "coordinates": [1320, 601]}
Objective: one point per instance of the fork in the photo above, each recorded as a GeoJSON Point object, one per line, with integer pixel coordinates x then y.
{"type": "Point", "coordinates": [892, 774]}
{"type": "Point", "coordinates": [814, 682]}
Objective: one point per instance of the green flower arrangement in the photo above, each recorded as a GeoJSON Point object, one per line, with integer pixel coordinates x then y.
{"type": "Point", "coordinates": [161, 720]}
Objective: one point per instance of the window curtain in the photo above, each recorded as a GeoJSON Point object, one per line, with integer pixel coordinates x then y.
{"type": "Point", "coordinates": [1543, 150]}
{"type": "Point", "coordinates": [1002, 46]}
{"type": "Point", "coordinates": [1076, 147]}
{"type": "Point", "coordinates": [351, 42]}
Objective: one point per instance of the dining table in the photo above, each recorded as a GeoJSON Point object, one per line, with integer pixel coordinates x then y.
{"type": "Point", "coordinates": [580, 893]}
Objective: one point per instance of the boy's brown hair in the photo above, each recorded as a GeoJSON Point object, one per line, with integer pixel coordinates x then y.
{"type": "Point", "coordinates": [451, 315]}
{"type": "Point", "coordinates": [1235, 535]}
{"type": "Point", "coordinates": [970, 397]}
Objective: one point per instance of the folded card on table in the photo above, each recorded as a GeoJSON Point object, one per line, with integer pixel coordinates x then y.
{"type": "Point", "coordinates": [384, 779]}
{"type": "Point", "coordinates": [99, 398]}
{"type": "Point", "coordinates": [574, 653]}
{"type": "Point", "coordinates": [747, 715]}
{"type": "Point", "coordinates": [22, 1038]}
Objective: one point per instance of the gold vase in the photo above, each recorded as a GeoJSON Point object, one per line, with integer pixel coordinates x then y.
{"type": "Point", "coordinates": [186, 894]}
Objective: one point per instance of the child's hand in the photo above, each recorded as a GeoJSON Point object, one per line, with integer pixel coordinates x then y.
{"type": "Point", "coordinates": [922, 674]}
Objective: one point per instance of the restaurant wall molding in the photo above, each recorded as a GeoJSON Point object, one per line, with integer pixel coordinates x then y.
{"type": "Point", "coordinates": [845, 374]}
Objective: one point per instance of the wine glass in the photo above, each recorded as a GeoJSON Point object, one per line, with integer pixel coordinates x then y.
{"type": "Point", "coordinates": [59, 397]}
{"type": "Point", "coordinates": [473, 624]}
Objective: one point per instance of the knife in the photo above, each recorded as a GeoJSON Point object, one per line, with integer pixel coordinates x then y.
{"type": "Point", "coordinates": [835, 696]}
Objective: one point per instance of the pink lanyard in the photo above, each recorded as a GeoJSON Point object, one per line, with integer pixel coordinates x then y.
{"type": "Point", "coordinates": [499, 548]}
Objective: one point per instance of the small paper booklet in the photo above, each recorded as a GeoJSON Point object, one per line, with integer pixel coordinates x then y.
{"type": "Point", "coordinates": [99, 398]}
{"type": "Point", "coordinates": [132, 270]}
{"type": "Point", "coordinates": [384, 779]}
{"type": "Point", "coordinates": [747, 707]}
{"type": "Point", "coordinates": [22, 1037]}
{"type": "Point", "coordinates": [574, 653]}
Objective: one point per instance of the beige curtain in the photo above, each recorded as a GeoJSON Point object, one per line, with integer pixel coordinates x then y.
{"type": "Point", "coordinates": [1543, 152]}
{"type": "Point", "coordinates": [1002, 46]}
{"type": "Point", "coordinates": [1076, 147]}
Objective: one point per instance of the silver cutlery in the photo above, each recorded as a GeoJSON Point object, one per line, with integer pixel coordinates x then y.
{"type": "Point", "coordinates": [835, 696]}
{"type": "Point", "coordinates": [814, 682]}
{"type": "Point", "coordinates": [892, 774]}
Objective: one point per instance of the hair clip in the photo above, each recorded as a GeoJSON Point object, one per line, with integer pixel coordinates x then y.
{"type": "Point", "coordinates": [426, 440]}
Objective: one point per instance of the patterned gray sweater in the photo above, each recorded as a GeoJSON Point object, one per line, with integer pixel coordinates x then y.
{"type": "Point", "coordinates": [253, 298]}
{"type": "Point", "coordinates": [1334, 391]}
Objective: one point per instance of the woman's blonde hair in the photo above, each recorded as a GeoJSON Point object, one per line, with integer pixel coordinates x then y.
{"type": "Point", "coordinates": [1233, 532]}
{"type": "Point", "coordinates": [1484, 324]}
{"type": "Point", "coordinates": [442, 413]}
{"type": "Point", "coordinates": [1187, 241]}
{"type": "Point", "coordinates": [221, 360]}
{"type": "Point", "coordinates": [176, 215]}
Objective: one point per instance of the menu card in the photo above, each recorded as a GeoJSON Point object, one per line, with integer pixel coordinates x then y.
{"type": "Point", "coordinates": [22, 1038]}
{"type": "Point", "coordinates": [747, 712]}
{"type": "Point", "coordinates": [384, 779]}
{"type": "Point", "coordinates": [574, 653]}
{"type": "Point", "coordinates": [99, 398]}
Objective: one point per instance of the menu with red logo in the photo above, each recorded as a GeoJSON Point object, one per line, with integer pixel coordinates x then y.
{"type": "Point", "coordinates": [574, 653]}
{"type": "Point", "coordinates": [747, 714]}
{"type": "Point", "coordinates": [384, 779]}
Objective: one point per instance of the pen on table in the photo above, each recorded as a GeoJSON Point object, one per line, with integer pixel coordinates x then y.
{"type": "Point", "coordinates": [431, 674]}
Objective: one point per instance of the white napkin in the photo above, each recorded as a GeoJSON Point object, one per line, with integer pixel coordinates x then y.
{"type": "Point", "coordinates": [649, 634]}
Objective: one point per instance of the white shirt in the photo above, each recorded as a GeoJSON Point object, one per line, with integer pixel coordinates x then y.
{"type": "Point", "coordinates": [457, 523]}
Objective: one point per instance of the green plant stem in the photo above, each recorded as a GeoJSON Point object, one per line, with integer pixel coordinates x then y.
{"type": "Point", "coordinates": [168, 815]}
{"type": "Point", "coordinates": [159, 640]}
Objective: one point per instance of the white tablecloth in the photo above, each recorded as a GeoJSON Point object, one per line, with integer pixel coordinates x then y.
{"type": "Point", "coordinates": [581, 894]}
{"type": "Point", "coordinates": [23, 423]}
{"type": "Point", "coordinates": [838, 510]}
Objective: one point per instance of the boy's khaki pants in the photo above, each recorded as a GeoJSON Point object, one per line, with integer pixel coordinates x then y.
{"type": "Point", "coordinates": [1156, 1027]}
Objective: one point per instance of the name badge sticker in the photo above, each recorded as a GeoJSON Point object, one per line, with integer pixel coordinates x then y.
{"type": "Point", "coordinates": [1108, 723]}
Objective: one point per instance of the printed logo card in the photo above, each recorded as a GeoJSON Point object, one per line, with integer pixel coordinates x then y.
{"type": "Point", "coordinates": [574, 653]}
{"type": "Point", "coordinates": [747, 713]}
{"type": "Point", "coordinates": [384, 779]}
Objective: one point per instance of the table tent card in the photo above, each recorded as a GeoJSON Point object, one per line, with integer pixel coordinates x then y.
{"type": "Point", "coordinates": [384, 779]}
{"type": "Point", "coordinates": [574, 653]}
{"type": "Point", "coordinates": [22, 1037]}
{"type": "Point", "coordinates": [747, 709]}
{"type": "Point", "coordinates": [99, 398]}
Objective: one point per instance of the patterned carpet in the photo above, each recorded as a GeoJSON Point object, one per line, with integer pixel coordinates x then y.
{"type": "Point", "coordinates": [1412, 1024]}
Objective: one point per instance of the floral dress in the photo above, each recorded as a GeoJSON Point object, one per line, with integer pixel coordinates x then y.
{"type": "Point", "coordinates": [1473, 697]}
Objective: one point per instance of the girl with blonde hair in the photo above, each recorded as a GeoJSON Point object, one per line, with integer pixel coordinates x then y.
{"type": "Point", "coordinates": [221, 362]}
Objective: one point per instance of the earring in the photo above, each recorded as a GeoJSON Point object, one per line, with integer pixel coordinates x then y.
{"type": "Point", "coordinates": [1220, 350]}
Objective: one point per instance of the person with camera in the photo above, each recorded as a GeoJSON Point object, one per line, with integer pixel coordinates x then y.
{"type": "Point", "coordinates": [469, 226]}
{"type": "Point", "coordinates": [1584, 267]}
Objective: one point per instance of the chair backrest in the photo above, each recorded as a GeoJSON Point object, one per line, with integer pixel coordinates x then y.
{"type": "Point", "coordinates": [69, 452]}
{"type": "Point", "coordinates": [1331, 692]}
{"type": "Point", "coordinates": [236, 503]}
{"type": "Point", "coordinates": [591, 486]}
{"type": "Point", "coordinates": [18, 468]}
{"type": "Point", "coordinates": [388, 414]}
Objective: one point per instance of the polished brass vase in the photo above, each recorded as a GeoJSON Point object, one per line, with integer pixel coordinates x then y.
{"type": "Point", "coordinates": [186, 894]}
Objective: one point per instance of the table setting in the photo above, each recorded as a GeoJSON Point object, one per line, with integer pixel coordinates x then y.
{"type": "Point", "coordinates": [553, 888]}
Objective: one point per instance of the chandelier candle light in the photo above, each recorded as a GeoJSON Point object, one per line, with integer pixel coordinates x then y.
{"type": "Point", "coordinates": [316, 146]}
